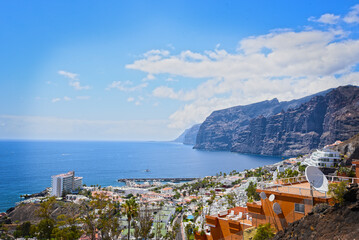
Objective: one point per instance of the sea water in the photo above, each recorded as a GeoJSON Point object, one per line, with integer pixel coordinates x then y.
{"type": "Point", "coordinates": [27, 166]}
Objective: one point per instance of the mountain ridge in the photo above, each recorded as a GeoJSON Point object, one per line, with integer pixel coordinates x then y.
{"type": "Point", "coordinates": [190, 134]}
{"type": "Point", "coordinates": [283, 128]}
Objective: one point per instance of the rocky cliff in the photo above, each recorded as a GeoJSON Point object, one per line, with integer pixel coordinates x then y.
{"type": "Point", "coordinates": [180, 138]}
{"type": "Point", "coordinates": [350, 148]}
{"type": "Point", "coordinates": [283, 128]}
{"type": "Point", "coordinates": [218, 131]}
{"type": "Point", "coordinates": [189, 136]}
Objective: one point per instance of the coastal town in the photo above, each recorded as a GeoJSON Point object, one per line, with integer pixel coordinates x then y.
{"type": "Point", "coordinates": [226, 206]}
{"type": "Point", "coordinates": [179, 120]}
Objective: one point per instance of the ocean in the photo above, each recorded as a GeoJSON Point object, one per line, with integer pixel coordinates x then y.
{"type": "Point", "coordinates": [27, 166]}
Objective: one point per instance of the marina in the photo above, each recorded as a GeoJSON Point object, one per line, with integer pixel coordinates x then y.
{"type": "Point", "coordinates": [156, 179]}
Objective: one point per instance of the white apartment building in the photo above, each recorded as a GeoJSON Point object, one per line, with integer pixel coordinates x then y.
{"type": "Point", "coordinates": [323, 158]}
{"type": "Point", "coordinates": [65, 182]}
{"type": "Point", "coordinates": [78, 183]}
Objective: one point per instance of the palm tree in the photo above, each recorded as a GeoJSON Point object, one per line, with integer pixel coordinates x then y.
{"type": "Point", "coordinates": [131, 209]}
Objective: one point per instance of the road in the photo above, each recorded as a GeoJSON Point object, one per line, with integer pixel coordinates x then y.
{"type": "Point", "coordinates": [180, 234]}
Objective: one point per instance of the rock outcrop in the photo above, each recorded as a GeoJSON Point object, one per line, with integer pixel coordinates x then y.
{"type": "Point", "coordinates": [350, 148]}
{"type": "Point", "coordinates": [283, 128]}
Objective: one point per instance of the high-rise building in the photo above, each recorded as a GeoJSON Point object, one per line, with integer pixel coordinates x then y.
{"type": "Point", "coordinates": [65, 182]}
{"type": "Point", "coordinates": [77, 183]}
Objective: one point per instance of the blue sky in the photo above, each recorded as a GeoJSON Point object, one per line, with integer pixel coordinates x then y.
{"type": "Point", "coordinates": [146, 70]}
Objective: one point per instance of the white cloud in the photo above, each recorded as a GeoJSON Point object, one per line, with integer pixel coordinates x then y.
{"type": "Point", "coordinates": [165, 92]}
{"type": "Point", "coordinates": [353, 15]}
{"type": "Point", "coordinates": [255, 91]}
{"type": "Point", "coordinates": [126, 86]}
{"type": "Point", "coordinates": [327, 18]}
{"type": "Point", "coordinates": [76, 85]}
{"type": "Point", "coordinates": [149, 77]}
{"type": "Point", "coordinates": [203, 91]}
{"type": "Point", "coordinates": [292, 53]}
{"type": "Point", "coordinates": [70, 75]}
{"type": "Point", "coordinates": [65, 98]}
{"type": "Point", "coordinates": [284, 63]}
{"type": "Point", "coordinates": [156, 53]}
{"type": "Point", "coordinates": [73, 80]}
{"type": "Point", "coordinates": [139, 100]}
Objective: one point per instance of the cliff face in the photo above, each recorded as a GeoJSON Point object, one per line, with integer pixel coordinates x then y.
{"type": "Point", "coordinates": [180, 138]}
{"type": "Point", "coordinates": [189, 136]}
{"type": "Point", "coordinates": [284, 129]}
{"type": "Point", "coordinates": [218, 130]}
{"type": "Point", "coordinates": [350, 148]}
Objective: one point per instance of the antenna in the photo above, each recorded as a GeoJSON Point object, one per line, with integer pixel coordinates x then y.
{"type": "Point", "coordinates": [277, 209]}
{"type": "Point", "coordinates": [271, 197]}
{"type": "Point", "coordinates": [263, 195]}
{"type": "Point", "coordinates": [316, 179]}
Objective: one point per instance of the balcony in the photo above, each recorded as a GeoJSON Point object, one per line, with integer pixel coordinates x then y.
{"type": "Point", "coordinates": [299, 186]}
{"type": "Point", "coordinates": [211, 221]}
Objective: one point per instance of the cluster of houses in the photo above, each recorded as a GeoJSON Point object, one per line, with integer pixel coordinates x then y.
{"type": "Point", "coordinates": [220, 208]}
{"type": "Point", "coordinates": [282, 201]}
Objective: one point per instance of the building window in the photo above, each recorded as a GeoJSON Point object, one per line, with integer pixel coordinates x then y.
{"type": "Point", "coordinates": [299, 207]}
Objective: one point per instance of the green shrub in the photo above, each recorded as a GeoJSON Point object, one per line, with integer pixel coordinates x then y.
{"type": "Point", "coordinates": [251, 191]}
{"type": "Point", "coordinates": [302, 168]}
{"type": "Point", "coordinates": [337, 191]}
{"type": "Point", "coordinates": [347, 171]}
{"type": "Point", "coordinates": [23, 230]}
{"type": "Point", "coordinates": [264, 231]}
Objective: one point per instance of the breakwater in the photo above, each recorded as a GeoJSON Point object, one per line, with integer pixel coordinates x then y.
{"type": "Point", "coordinates": [156, 179]}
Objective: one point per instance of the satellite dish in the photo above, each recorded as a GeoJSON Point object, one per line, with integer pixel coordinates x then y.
{"type": "Point", "coordinates": [316, 179]}
{"type": "Point", "coordinates": [276, 208]}
{"type": "Point", "coordinates": [271, 197]}
{"type": "Point", "coordinates": [263, 195]}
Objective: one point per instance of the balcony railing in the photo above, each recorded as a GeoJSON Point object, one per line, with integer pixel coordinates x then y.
{"type": "Point", "coordinates": [291, 189]}
{"type": "Point", "coordinates": [292, 185]}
